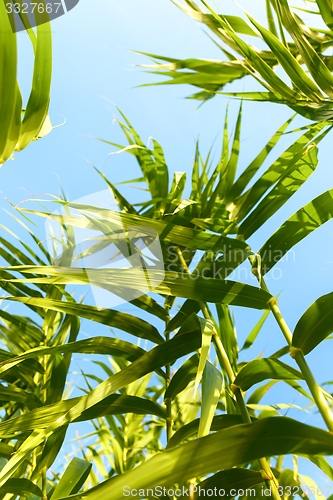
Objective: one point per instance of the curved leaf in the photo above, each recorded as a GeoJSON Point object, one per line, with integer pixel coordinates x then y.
{"type": "Point", "coordinates": [311, 58]}
{"type": "Point", "coordinates": [207, 328]}
{"type": "Point", "coordinates": [245, 178]}
{"type": "Point", "coordinates": [278, 170]}
{"type": "Point", "coordinates": [326, 12]}
{"type": "Point", "coordinates": [289, 63]}
{"type": "Point", "coordinates": [117, 319]}
{"type": "Point", "coordinates": [288, 184]}
{"type": "Point", "coordinates": [255, 331]}
{"type": "Point", "coordinates": [183, 376]}
{"type": "Point", "coordinates": [10, 113]}
{"type": "Point", "coordinates": [19, 486]}
{"type": "Point", "coordinates": [219, 423]}
{"type": "Point", "coordinates": [12, 393]}
{"type": "Point", "coordinates": [73, 478]}
{"type": "Point", "coordinates": [38, 103]}
{"type": "Point", "coordinates": [315, 325]}
{"type": "Point", "coordinates": [228, 483]}
{"type": "Point", "coordinates": [259, 370]}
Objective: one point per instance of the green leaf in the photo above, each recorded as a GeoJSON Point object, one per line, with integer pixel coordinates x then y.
{"type": "Point", "coordinates": [221, 450]}
{"type": "Point", "coordinates": [260, 392]}
{"type": "Point", "coordinates": [73, 478]}
{"type": "Point", "coordinates": [117, 319]}
{"type": "Point", "coordinates": [240, 26]}
{"type": "Point", "coordinates": [185, 342]}
{"type": "Point", "coordinates": [122, 203]}
{"type": "Point", "coordinates": [151, 162]}
{"type": "Point", "coordinates": [311, 110]}
{"type": "Point", "coordinates": [203, 73]}
{"type": "Point", "coordinates": [191, 429]}
{"type": "Point", "coordinates": [255, 331]}
{"type": "Point", "coordinates": [211, 388]}
{"type": "Point", "coordinates": [19, 486]}
{"type": "Point", "coordinates": [119, 404]}
{"type": "Point", "coordinates": [227, 333]}
{"type": "Point", "coordinates": [270, 18]}
{"type": "Point", "coordinates": [325, 7]}
{"type": "Point", "coordinates": [10, 96]}
{"type": "Point", "coordinates": [315, 325]}
{"type": "Point", "coordinates": [289, 184]}
{"type": "Point", "coordinates": [207, 328]}
{"type": "Point", "coordinates": [38, 104]}
{"type": "Point", "coordinates": [254, 166]}
{"type": "Point", "coordinates": [297, 227]}
{"type": "Point", "coordinates": [189, 307]}
{"type": "Point", "coordinates": [183, 376]}
{"type": "Point", "coordinates": [313, 61]}
{"type": "Point", "coordinates": [219, 171]}
{"type": "Point", "coordinates": [227, 482]}
{"type": "Point", "coordinates": [323, 464]}
{"type": "Point", "coordinates": [13, 393]}
{"type": "Point", "coordinates": [259, 370]}
{"type": "Point", "coordinates": [288, 62]}
{"type": "Point", "coordinates": [280, 168]}
{"type": "Point", "coordinates": [231, 167]}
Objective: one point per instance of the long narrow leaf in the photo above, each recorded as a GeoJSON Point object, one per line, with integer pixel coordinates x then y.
{"type": "Point", "coordinates": [298, 226]}
{"type": "Point", "coordinates": [175, 284]}
{"type": "Point", "coordinates": [315, 325]}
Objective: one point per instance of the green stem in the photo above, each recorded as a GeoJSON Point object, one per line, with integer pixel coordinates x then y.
{"type": "Point", "coordinates": [315, 390]}
{"type": "Point", "coordinates": [44, 484]}
{"type": "Point", "coordinates": [267, 473]}
{"type": "Point", "coordinates": [297, 354]}
{"type": "Point", "coordinates": [168, 403]}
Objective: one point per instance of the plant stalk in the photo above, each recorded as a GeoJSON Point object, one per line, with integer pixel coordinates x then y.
{"type": "Point", "coordinates": [267, 473]}
{"type": "Point", "coordinates": [168, 403]}
{"type": "Point", "coordinates": [314, 388]}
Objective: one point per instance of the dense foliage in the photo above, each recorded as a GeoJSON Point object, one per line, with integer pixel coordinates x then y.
{"type": "Point", "coordinates": [183, 412]}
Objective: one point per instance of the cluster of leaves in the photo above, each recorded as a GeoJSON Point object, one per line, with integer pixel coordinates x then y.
{"type": "Point", "coordinates": [152, 427]}
{"type": "Point", "coordinates": [307, 88]}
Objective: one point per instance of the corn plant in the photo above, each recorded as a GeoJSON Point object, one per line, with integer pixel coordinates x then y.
{"type": "Point", "coordinates": [21, 124]}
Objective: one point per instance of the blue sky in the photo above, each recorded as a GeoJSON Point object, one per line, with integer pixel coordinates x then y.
{"type": "Point", "coordinates": [94, 71]}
